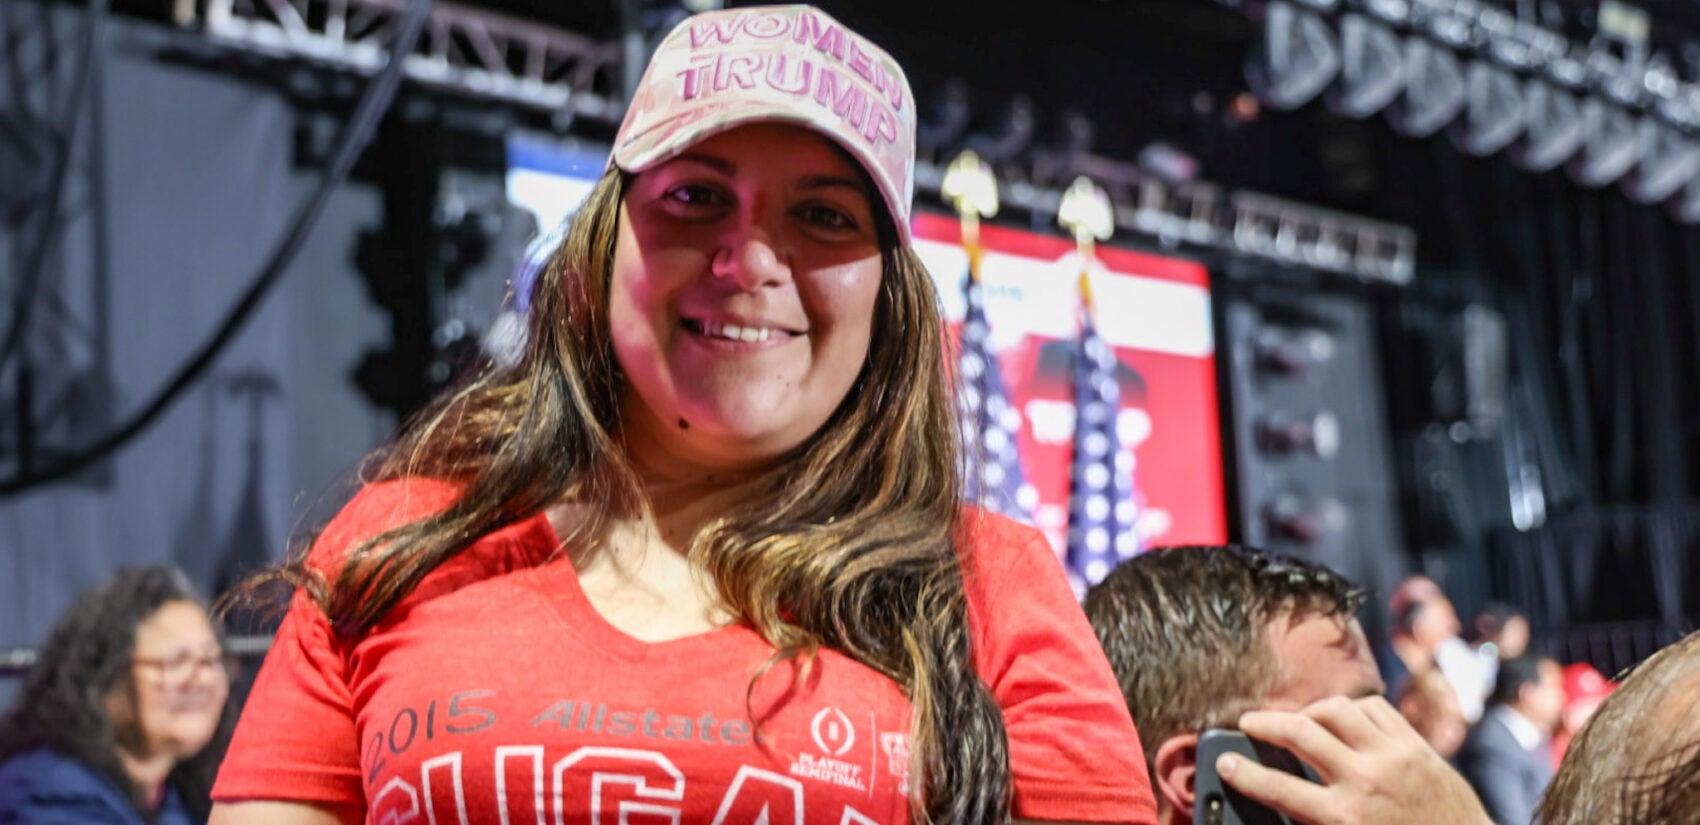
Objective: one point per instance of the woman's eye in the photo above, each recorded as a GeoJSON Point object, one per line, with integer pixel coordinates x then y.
{"type": "Point", "coordinates": [693, 194]}
{"type": "Point", "coordinates": [827, 217]}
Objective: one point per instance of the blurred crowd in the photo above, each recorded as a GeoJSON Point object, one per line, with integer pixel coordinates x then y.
{"type": "Point", "coordinates": [1477, 695]}
{"type": "Point", "coordinates": [1444, 728]}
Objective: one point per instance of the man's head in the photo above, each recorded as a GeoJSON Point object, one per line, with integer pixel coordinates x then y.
{"type": "Point", "coordinates": [1534, 687]}
{"type": "Point", "coordinates": [1429, 703]}
{"type": "Point", "coordinates": [1421, 612]}
{"type": "Point", "coordinates": [1502, 626]}
{"type": "Point", "coordinates": [1199, 635]}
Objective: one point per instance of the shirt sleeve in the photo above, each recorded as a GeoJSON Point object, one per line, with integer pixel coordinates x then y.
{"type": "Point", "coordinates": [297, 738]}
{"type": "Point", "coordinates": [1074, 753]}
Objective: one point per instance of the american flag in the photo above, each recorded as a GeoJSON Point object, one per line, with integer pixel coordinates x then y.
{"type": "Point", "coordinates": [994, 478]}
{"type": "Point", "coordinates": [1102, 509]}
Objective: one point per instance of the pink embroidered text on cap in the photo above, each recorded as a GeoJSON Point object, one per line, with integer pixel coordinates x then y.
{"type": "Point", "coordinates": [793, 64]}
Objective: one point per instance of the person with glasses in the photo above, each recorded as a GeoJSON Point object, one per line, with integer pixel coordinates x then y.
{"type": "Point", "coordinates": [114, 722]}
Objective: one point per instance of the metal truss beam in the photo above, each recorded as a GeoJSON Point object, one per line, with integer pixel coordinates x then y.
{"type": "Point", "coordinates": [1204, 215]}
{"type": "Point", "coordinates": [485, 55]}
{"type": "Point", "coordinates": [474, 52]}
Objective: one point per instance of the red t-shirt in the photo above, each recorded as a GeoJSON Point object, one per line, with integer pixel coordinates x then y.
{"type": "Point", "coordinates": [496, 693]}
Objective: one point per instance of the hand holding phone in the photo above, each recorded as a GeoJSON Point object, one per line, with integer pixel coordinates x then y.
{"type": "Point", "coordinates": [1215, 803]}
{"type": "Point", "coordinates": [1374, 768]}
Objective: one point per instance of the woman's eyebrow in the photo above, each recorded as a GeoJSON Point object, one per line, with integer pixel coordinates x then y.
{"type": "Point", "coordinates": [816, 182]}
{"type": "Point", "coordinates": [718, 164]}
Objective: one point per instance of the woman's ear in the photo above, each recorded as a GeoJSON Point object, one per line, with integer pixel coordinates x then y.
{"type": "Point", "coordinates": [1175, 765]}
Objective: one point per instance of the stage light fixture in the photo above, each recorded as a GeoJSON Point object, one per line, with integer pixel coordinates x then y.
{"type": "Point", "coordinates": [1286, 433]}
{"type": "Point", "coordinates": [1396, 12]}
{"type": "Point", "coordinates": [1553, 128]}
{"type": "Point", "coordinates": [949, 119]}
{"type": "Point", "coordinates": [1660, 80]}
{"type": "Point", "coordinates": [1449, 21]}
{"type": "Point", "coordinates": [1619, 81]}
{"type": "Point", "coordinates": [1169, 163]}
{"type": "Point", "coordinates": [1290, 353]}
{"type": "Point", "coordinates": [1016, 129]}
{"type": "Point", "coordinates": [1372, 70]}
{"type": "Point", "coordinates": [1681, 109]}
{"type": "Point", "coordinates": [1545, 46]}
{"type": "Point", "coordinates": [1435, 91]}
{"type": "Point", "coordinates": [1507, 41]}
{"type": "Point", "coordinates": [1568, 68]}
{"type": "Point", "coordinates": [1494, 116]}
{"type": "Point", "coordinates": [1303, 519]}
{"type": "Point", "coordinates": [1615, 143]}
{"type": "Point", "coordinates": [1685, 207]}
{"type": "Point", "coordinates": [1670, 162]}
{"type": "Point", "coordinates": [1296, 58]}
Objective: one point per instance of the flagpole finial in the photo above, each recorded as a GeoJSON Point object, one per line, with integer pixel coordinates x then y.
{"type": "Point", "coordinates": [1086, 212]}
{"type": "Point", "coordinates": [972, 188]}
{"type": "Point", "coordinates": [970, 185]}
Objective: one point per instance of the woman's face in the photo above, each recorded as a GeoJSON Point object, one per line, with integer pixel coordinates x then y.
{"type": "Point", "coordinates": [742, 300]}
{"type": "Point", "coordinates": [180, 679]}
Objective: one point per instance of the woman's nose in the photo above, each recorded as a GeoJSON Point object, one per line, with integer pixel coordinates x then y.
{"type": "Point", "coordinates": [750, 258]}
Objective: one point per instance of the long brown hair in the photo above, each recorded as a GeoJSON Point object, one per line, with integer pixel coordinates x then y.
{"type": "Point", "coordinates": [848, 543]}
{"type": "Point", "coordinates": [1637, 761]}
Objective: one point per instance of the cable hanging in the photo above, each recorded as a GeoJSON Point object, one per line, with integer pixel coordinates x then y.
{"type": "Point", "coordinates": [374, 102]}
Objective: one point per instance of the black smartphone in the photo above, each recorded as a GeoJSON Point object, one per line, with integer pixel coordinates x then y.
{"type": "Point", "coordinates": [1217, 804]}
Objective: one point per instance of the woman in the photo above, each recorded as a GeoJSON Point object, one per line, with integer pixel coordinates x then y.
{"type": "Point", "coordinates": [129, 690]}
{"type": "Point", "coordinates": [699, 555]}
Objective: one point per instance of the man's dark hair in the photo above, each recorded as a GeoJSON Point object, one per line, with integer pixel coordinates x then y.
{"type": "Point", "coordinates": [1492, 619]}
{"type": "Point", "coordinates": [1406, 617]}
{"type": "Point", "coordinates": [1513, 675]}
{"type": "Point", "coordinates": [1185, 629]}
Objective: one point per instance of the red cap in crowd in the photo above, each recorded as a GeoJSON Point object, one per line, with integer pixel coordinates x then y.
{"type": "Point", "coordinates": [1582, 681]}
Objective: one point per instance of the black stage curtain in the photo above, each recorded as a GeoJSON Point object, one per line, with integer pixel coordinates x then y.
{"type": "Point", "coordinates": [1608, 586]}
{"type": "Point", "coordinates": [1602, 300]}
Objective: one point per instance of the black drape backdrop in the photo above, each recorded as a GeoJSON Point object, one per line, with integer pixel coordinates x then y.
{"type": "Point", "coordinates": [1601, 297]}
{"type": "Point", "coordinates": [1601, 302]}
{"type": "Point", "coordinates": [1607, 585]}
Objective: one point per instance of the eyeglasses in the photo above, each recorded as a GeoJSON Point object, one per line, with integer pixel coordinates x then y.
{"type": "Point", "coordinates": [182, 667]}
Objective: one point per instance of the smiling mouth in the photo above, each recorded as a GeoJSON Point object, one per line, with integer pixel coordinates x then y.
{"type": "Point", "coordinates": [733, 332]}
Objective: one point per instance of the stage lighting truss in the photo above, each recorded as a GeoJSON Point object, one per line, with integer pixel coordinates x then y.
{"type": "Point", "coordinates": [1605, 110]}
{"type": "Point", "coordinates": [1269, 228]}
{"type": "Point", "coordinates": [478, 53]}
{"type": "Point", "coordinates": [1372, 68]}
{"type": "Point", "coordinates": [486, 56]}
{"type": "Point", "coordinates": [1197, 214]}
{"type": "Point", "coordinates": [1304, 235]}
